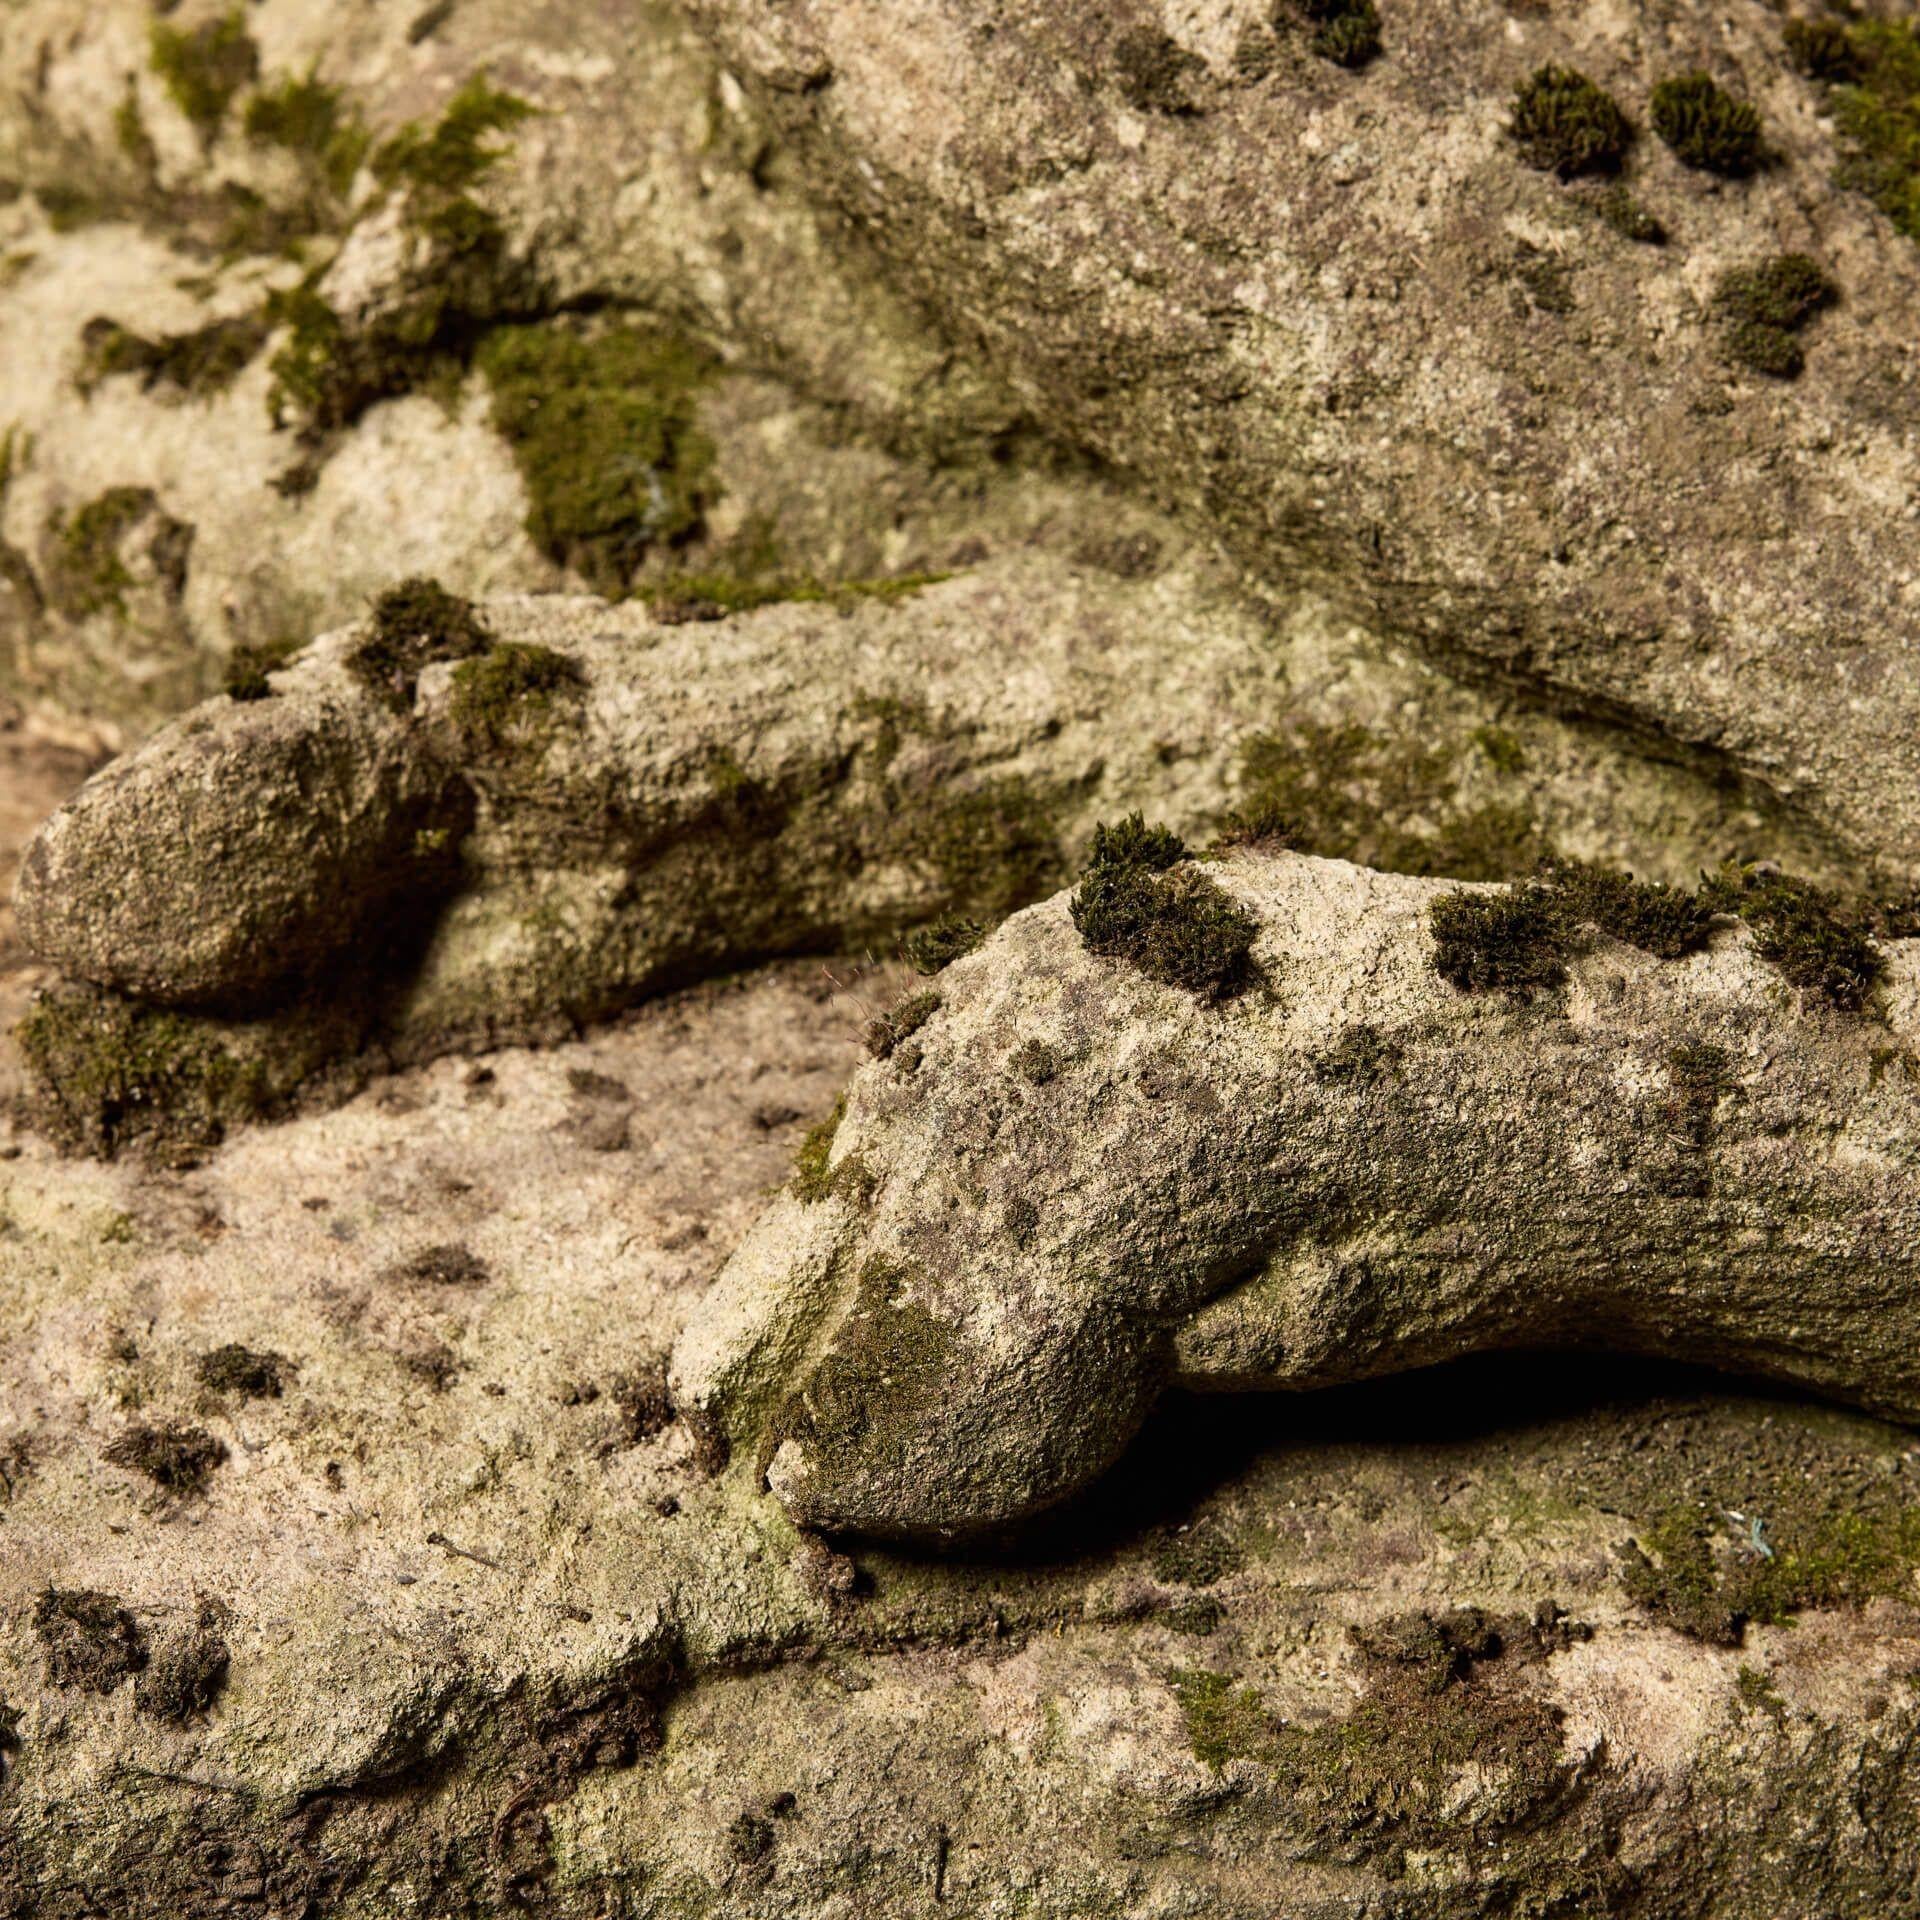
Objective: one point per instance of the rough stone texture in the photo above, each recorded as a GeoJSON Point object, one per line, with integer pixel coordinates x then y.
{"type": "Point", "coordinates": [1081, 1186]}
{"type": "Point", "coordinates": [815, 775]}
{"type": "Point", "coordinates": [1334, 315]}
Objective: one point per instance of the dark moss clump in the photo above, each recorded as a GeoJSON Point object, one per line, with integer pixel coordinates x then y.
{"type": "Point", "coordinates": [511, 689]}
{"type": "Point", "coordinates": [1173, 923]}
{"type": "Point", "coordinates": [445, 1265]}
{"type": "Point", "coordinates": [1196, 1556]}
{"type": "Point", "coordinates": [1564, 124]}
{"type": "Point", "coordinates": [198, 364]}
{"type": "Point", "coordinates": [1820, 49]}
{"type": "Point", "coordinates": [1154, 72]}
{"type": "Point", "coordinates": [1763, 308]}
{"type": "Point", "coordinates": [1658, 919]}
{"type": "Point", "coordinates": [243, 1371]}
{"type": "Point", "coordinates": [1513, 942]}
{"type": "Point", "coordinates": [249, 664]}
{"type": "Point", "coordinates": [178, 1458]}
{"type": "Point", "coordinates": [1708, 128]}
{"type": "Point", "coordinates": [413, 625]}
{"type": "Point", "coordinates": [1627, 217]}
{"type": "Point", "coordinates": [205, 66]}
{"type": "Point", "coordinates": [1347, 32]}
{"type": "Point", "coordinates": [887, 1030]}
{"type": "Point", "coordinates": [89, 1639]}
{"type": "Point", "coordinates": [605, 433]}
{"type": "Point", "coordinates": [185, 1675]}
{"type": "Point", "coordinates": [646, 1407]}
{"type": "Point", "coordinates": [941, 942]}
{"type": "Point", "coordinates": [1803, 930]}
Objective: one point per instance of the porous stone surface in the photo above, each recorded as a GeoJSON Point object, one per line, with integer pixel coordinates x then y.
{"type": "Point", "coordinates": [1079, 1185]}
{"type": "Point", "coordinates": [1335, 316]}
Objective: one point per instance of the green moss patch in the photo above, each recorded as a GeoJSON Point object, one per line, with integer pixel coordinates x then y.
{"type": "Point", "coordinates": [1179, 927]}
{"type": "Point", "coordinates": [303, 116]}
{"type": "Point", "coordinates": [85, 572]}
{"type": "Point", "coordinates": [712, 595]}
{"type": "Point", "coordinates": [510, 691]}
{"type": "Point", "coordinates": [1708, 128]}
{"type": "Point", "coordinates": [937, 945]}
{"type": "Point", "coordinates": [1563, 123]}
{"type": "Point", "coordinates": [605, 434]}
{"type": "Point", "coordinates": [1667, 921]}
{"type": "Point", "coordinates": [461, 148]}
{"type": "Point", "coordinates": [197, 364]}
{"type": "Point", "coordinates": [1873, 69]}
{"type": "Point", "coordinates": [1809, 934]}
{"type": "Point", "coordinates": [249, 665]}
{"type": "Point", "coordinates": [1763, 308]}
{"type": "Point", "coordinates": [413, 625]}
{"type": "Point", "coordinates": [812, 1179]}
{"type": "Point", "coordinates": [1711, 1572]}
{"type": "Point", "coordinates": [203, 67]}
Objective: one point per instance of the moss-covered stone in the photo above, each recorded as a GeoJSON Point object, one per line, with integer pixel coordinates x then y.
{"type": "Point", "coordinates": [413, 625]}
{"type": "Point", "coordinates": [812, 1179]}
{"type": "Point", "coordinates": [1513, 943]}
{"type": "Point", "coordinates": [1815, 940]}
{"type": "Point", "coordinates": [203, 67]}
{"type": "Point", "coordinates": [1762, 308]}
{"type": "Point", "coordinates": [886, 1031]}
{"type": "Point", "coordinates": [303, 116]}
{"type": "Point", "coordinates": [460, 149]}
{"type": "Point", "coordinates": [1658, 919]}
{"type": "Point", "coordinates": [1176, 925]}
{"type": "Point", "coordinates": [177, 1458]}
{"type": "Point", "coordinates": [1878, 110]}
{"type": "Point", "coordinates": [605, 434]}
{"type": "Point", "coordinates": [510, 691]}
{"type": "Point", "coordinates": [1563, 123]}
{"type": "Point", "coordinates": [1708, 128]}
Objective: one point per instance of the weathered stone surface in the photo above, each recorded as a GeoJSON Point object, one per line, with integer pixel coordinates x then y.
{"type": "Point", "coordinates": [1080, 1186]}
{"type": "Point", "coordinates": [242, 847]}
{"type": "Point", "coordinates": [1337, 317]}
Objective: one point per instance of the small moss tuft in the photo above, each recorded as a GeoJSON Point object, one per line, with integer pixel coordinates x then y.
{"type": "Point", "coordinates": [939, 944]}
{"type": "Point", "coordinates": [86, 574]}
{"type": "Point", "coordinates": [510, 690]}
{"type": "Point", "coordinates": [1513, 942]}
{"type": "Point", "coordinates": [1627, 217]}
{"type": "Point", "coordinates": [1803, 930]}
{"type": "Point", "coordinates": [1224, 1722]}
{"type": "Point", "coordinates": [1762, 309]}
{"type": "Point", "coordinates": [1154, 72]}
{"type": "Point", "coordinates": [605, 435]}
{"type": "Point", "coordinates": [243, 1371]}
{"type": "Point", "coordinates": [89, 1639]}
{"type": "Point", "coordinates": [1820, 49]}
{"type": "Point", "coordinates": [205, 66]}
{"type": "Point", "coordinates": [198, 364]}
{"type": "Point", "coordinates": [1563, 123]}
{"type": "Point", "coordinates": [887, 1030]}
{"type": "Point", "coordinates": [250, 664]}
{"type": "Point", "coordinates": [1879, 118]}
{"type": "Point", "coordinates": [1658, 919]}
{"type": "Point", "coordinates": [178, 1458]}
{"type": "Point", "coordinates": [412, 626]}
{"type": "Point", "coordinates": [185, 1675]}
{"type": "Point", "coordinates": [1173, 923]}
{"type": "Point", "coordinates": [1708, 128]}
{"type": "Point", "coordinates": [302, 115]}
{"type": "Point", "coordinates": [1347, 32]}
